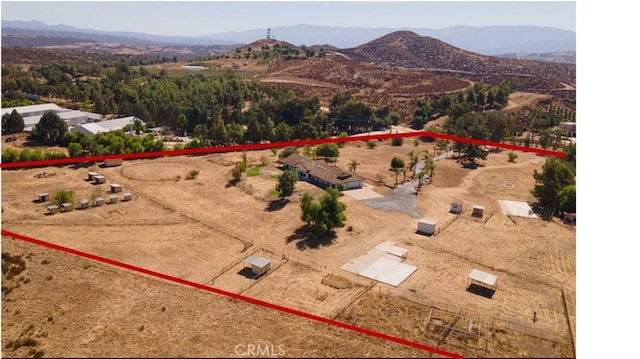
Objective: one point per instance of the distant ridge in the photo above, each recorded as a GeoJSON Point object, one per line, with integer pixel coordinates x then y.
{"type": "Point", "coordinates": [489, 40]}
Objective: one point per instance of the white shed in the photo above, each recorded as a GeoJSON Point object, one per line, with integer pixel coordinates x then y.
{"type": "Point", "coordinates": [100, 179]}
{"type": "Point", "coordinates": [92, 176]}
{"type": "Point", "coordinates": [126, 196]}
{"type": "Point", "coordinates": [67, 206]}
{"type": "Point", "coordinates": [116, 188]}
{"type": "Point", "coordinates": [99, 201]}
{"type": "Point", "coordinates": [482, 279]}
{"type": "Point", "coordinates": [259, 265]}
{"type": "Point", "coordinates": [51, 209]}
{"type": "Point", "coordinates": [113, 198]}
{"type": "Point", "coordinates": [426, 226]}
{"type": "Point", "coordinates": [43, 197]}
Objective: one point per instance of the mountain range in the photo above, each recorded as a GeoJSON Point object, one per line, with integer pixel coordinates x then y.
{"type": "Point", "coordinates": [489, 40]}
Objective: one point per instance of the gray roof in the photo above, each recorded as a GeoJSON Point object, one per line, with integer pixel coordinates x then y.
{"type": "Point", "coordinates": [259, 262]}
{"type": "Point", "coordinates": [320, 169]}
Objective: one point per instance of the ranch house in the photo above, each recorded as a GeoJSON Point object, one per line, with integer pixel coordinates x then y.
{"type": "Point", "coordinates": [320, 173]}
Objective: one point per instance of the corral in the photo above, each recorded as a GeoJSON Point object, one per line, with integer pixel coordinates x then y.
{"type": "Point", "coordinates": [202, 230]}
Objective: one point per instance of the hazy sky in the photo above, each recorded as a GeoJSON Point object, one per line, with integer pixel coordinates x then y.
{"type": "Point", "coordinates": [212, 17]}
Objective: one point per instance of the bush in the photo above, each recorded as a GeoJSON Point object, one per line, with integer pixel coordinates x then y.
{"type": "Point", "coordinates": [397, 141]}
{"type": "Point", "coordinates": [63, 196]}
{"type": "Point", "coordinates": [512, 156]}
{"type": "Point", "coordinates": [192, 174]}
{"type": "Point", "coordinates": [288, 151]}
{"type": "Point", "coordinates": [371, 144]}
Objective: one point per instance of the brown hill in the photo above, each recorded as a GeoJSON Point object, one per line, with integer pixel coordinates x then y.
{"type": "Point", "coordinates": [410, 50]}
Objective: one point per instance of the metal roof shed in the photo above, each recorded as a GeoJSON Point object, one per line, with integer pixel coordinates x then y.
{"type": "Point", "coordinates": [483, 279]}
{"type": "Point", "coordinates": [259, 265]}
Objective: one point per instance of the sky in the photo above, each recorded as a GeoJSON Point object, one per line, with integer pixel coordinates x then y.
{"type": "Point", "coordinates": [213, 17]}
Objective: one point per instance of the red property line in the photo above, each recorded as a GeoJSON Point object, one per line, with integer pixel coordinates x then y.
{"type": "Point", "coordinates": [230, 294]}
{"type": "Point", "coordinates": [261, 146]}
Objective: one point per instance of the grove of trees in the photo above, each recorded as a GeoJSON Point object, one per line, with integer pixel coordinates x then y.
{"type": "Point", "coordinates": [323, 215]}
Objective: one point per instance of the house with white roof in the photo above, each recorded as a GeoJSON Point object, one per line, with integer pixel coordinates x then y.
{"type": "Point", "coordinates": [104, 126]}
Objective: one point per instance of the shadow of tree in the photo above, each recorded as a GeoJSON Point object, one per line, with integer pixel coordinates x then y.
{"type": "Point", "coordinates": [304, 238]}
{"type": "Point", "coordinates": [276, 205]}
{"type": "Point", "coordinates": [232, 182]}
{"type": "Point", "coordinates": [544, 213]}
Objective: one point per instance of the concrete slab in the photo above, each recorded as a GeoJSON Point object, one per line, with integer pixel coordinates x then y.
{"type": "Point", "coordinates": [517, 209]}
{"type": "Point", "coordinates": [387, 270]}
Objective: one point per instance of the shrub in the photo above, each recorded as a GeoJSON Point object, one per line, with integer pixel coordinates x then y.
{"type": "Point", "coordinates": [371, 144]}
{"type": "Point", "coordinates": [397, 141]}
{"type": "Point", "coordinates": [192, 174]}
{"type": "Point", "coordinates": [63, 196]}
{"type": "Point", "coordinates": [512, 156]}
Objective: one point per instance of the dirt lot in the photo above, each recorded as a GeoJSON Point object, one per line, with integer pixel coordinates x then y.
{"type": "Point", "coordinates": [201, 229]}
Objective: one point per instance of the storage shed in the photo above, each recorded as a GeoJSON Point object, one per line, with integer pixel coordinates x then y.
{"type": "Point", "coordinates": [99, 201]}
{"type": "Point", "coordinates": [100, 179]}
{"type": "Point", "coordinates": [259, 265]}
{"type": "Point", "coordinates": [43, 197]}
{"type": "Point", "coordinates": [84, 203]}
{"type": "Point", "coordinates": [51, 209]}
{"type": "Point", "coordinates": [426, 226]}
{"type": "Point", "coordinates": [482, 279]}
{"type": "Point", "coordinates": [478, 211]}
{"type": "Point", "coordinates": [113, 198]}
{"type": "Point", "coordinates": [126, 196]}
{"type": "Point", "coordinates": [92, 176]}
{"type": "Point", "coordinates": [67, 206]}
{"type": "Point", "coordinates": [456, 207]}
{"type": "Point", "coordinates": [116, 188]}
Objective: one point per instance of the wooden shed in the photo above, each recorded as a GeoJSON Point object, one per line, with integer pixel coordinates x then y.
{"type": "Point", "coordinates": [51, 209]}
{"type": "Point", "coordinates": [100, 179]}
{"type": "Point", "coordinates": [84, 203]}
{"type": "Point", "coordinates": [456, 207]}
{"type": "Point", "coordinates": [259, 265]}
{"type": "Point", "coordinates": [43, 197]}
{"type": "Point", "coordinates": [116, 188]}
{"type": "Point", "coordinates": [98, 201]}
{"type": "Point", "coordinates": [426, 226]}
{"type": "Point", "coordinates": [478, 211]}
{"type": "Point", "coordinates": [126, 196]}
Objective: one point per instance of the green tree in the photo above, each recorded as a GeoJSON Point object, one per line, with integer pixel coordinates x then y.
{"type": "Point", "coordinates": [238, 170]}
{"type": "Point", "coordinates": [353, 166]}
{"type": "Point", "coordinates": [75, 149]}
{"type": "Point", "coordinates": [567, 199]}
{"type": "Point", "coordinates": [330, 151]}
{"type": "Point", "coordinates": [51, 128]}
{"type": "Point", "coordinates": [324, 215]}
{"type": "Point", "coordinates": [556, 174]}
{"type": "Point", "coordinates": [12, 123]}
{"type": "Point", "coordinates": [286, 183]}
{"type": "Point", "coordinates": [397, 166]}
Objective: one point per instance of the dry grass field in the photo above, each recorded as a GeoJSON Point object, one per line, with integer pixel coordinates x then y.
{"type": "Point", "coordinates": [201, 229]}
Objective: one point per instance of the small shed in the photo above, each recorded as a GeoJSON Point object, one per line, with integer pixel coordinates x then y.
{"type": "Point", "coordinates": [43, 197]}
{"type": "Point", "coordinates": [482, 279]}
{"type": "Point", "coordinates": [100, 179]}
{"type": "Point", "coordinates": [92, 176]}
{"type": "Point", "coordinates": [113, 198]}
{"type": "Point", "coordinates": [456, 207]}
{"type": "Point", "coordinates": [426, 226]}
{"type": "Point", "coordinates": [478, 211]}
{"type": "Point", "coordinates": [99, 201]}
{"type": "Point", "coordinates": [84, 203]}
{"type": "Point", "coordinates": [51, 209]}
{"type": "Point", "coordinates": [66, 207]}
{"type": "Point", "coordinates": [116, 188]}
{"type": "Point", "coordinates": [259, 265]}
{"type": "Point", "coordinates": [126, 196]}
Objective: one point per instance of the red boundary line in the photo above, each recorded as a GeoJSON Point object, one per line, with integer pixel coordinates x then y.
{"type": "Point", "coordinates": [261, 146]}
{"type": "Point", "coordinates": [229, 294]}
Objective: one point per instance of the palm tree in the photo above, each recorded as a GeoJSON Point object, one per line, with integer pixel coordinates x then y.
{"type": "Point", "coordinates": [353, 165]}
